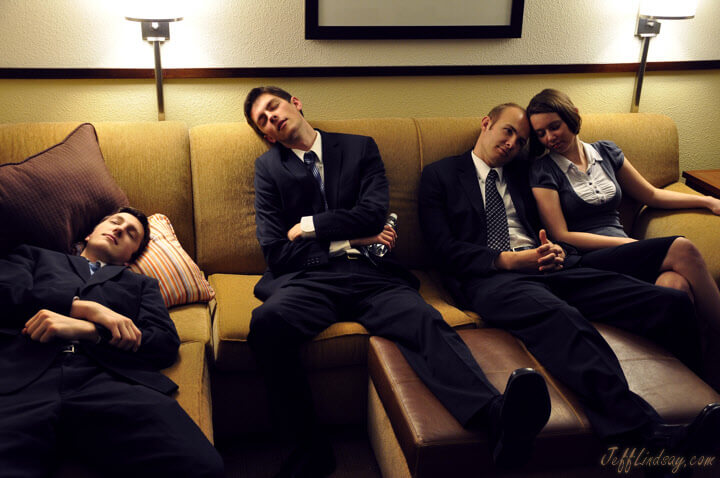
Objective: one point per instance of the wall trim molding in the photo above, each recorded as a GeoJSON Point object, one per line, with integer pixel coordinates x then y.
{"type": "Point", "coordinates": [345, 71]}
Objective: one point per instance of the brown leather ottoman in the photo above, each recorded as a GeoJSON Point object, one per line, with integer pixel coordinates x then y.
{"type": "Point", "coordinates": [414, 436]}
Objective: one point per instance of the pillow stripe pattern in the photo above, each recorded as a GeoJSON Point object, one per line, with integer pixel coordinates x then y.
{"type": "Point", "coordinates": [181, 280]}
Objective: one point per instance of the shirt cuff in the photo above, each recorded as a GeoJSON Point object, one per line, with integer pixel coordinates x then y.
{"type": "Point", "coordinates": [338, 248]}
{"type": "Point", "coordinates": [307, 226]}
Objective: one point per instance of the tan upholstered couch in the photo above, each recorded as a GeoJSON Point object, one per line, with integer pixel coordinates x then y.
{"type": "Point", "coordinates": [202, 179]}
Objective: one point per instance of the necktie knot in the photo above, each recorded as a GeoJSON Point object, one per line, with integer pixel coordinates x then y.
{"type": "Point", "coordinates": [309, 159]}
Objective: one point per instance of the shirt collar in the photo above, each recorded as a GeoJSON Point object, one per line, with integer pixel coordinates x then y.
{"type": "Point", "coordinates": [566, 165]}
{"type": "Point", "coordinates": [316, 148]}
{"type": "Point", "coordinates": [482, 169]}
{"type": "Point", "coordinates": [95, 266]}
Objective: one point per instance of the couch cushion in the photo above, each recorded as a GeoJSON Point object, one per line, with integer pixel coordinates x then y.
{"type": "Point", "coordinates": [341, 344]}
{"type": "Point", "coordinates": [223, 162]}
{"type": "Point", "coordinates": [57, 196]}
{"type": "Point", "coordinates": [190, 372]}
{"type": "Point", "coordinates": [192, 322]}
{"type": "Point", "coordinates": [698, 225]}
{"type": "Point", "coordinates": [151, 163]}
{"type": "Point", "coordinates": [435, 444]}
{"type": "Point", "coordinates": [180, 279]}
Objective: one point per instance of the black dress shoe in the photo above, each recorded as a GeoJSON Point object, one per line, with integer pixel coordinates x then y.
{"type": "Point", "coordinates": [309, 460]}
{"type": "Point", "coordinates": [703, 433]}
{"type": "Point", "coordinates": [524, 410]}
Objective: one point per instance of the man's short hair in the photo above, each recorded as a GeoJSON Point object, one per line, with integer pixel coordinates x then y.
{"type": "Point", "coordinates": [553, 101]}
{"type": "Point", "coordinates": [495, 113]}
{"type": "Point", "coordinates": [252, 97]}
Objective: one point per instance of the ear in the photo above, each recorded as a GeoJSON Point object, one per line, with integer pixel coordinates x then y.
{"type": "Point", "coordinates": [269, 139]}
{"type": "Point", "coordinates": [297, 103]}
{"type": "Point", "coordinates": [485, 123]}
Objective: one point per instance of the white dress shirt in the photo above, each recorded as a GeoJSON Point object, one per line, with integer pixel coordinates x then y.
{"type": "Point", "coordinates": [307, 225]}
{"type": "Point", "coordinates": [519, 237]}
{"type": "Point", "coordinates": [593, 186]}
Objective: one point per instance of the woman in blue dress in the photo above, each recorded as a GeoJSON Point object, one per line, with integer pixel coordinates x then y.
{"type": "Point", "coordinates": [578, 188]}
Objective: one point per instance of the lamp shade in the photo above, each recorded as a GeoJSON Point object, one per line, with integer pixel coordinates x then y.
{"type": "Point", "coordinates": [157, 10]}
{"type": "Point", "coordinates": [668, 9]}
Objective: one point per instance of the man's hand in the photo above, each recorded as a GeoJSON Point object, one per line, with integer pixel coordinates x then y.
{"type": "Point", "coordinates": [388, 236]}
{"type": "Point", "coordinates": [295, 232]}
{"type": "Point", "coordinates": [47, 325]}
{"type": "Point", "coordinates": [548, 257]}
{"type": "Point", "coordinates": [125, 334]}
{"type": "Point", "coordinates": [551, 255]}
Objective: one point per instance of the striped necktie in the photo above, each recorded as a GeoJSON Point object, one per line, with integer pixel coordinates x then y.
{"type": "Point", "coordinates": [310, 160]}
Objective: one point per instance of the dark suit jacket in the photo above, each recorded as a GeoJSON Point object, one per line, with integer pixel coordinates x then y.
{"type": "Point", "coordinates": [452, 217]}
{"type": "Point", "coordinates": [357, 194]}
{"type": "Point", "coordinates": [32, 279]}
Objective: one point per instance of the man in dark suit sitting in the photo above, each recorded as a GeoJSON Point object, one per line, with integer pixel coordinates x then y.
{"type": "Point", "coordinates": [82, 340]}
{"type": "Point", "coordinates": [320, 199]}
{"type": "Point", "coordinates": [478, 216]}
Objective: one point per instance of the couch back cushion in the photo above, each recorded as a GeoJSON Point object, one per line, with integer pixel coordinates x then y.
{"type": "Point", "coordinates": [149, 161]}
{"type": "Point", "coordinates": [649, 141]}
{"type": "Point", "coordinates": [223, 157]}
{"type": "Point", "coordinates": [223, 162]}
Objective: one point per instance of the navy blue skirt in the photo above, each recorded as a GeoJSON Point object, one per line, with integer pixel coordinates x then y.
{"type": "Point", "coordinates": [641, 259]}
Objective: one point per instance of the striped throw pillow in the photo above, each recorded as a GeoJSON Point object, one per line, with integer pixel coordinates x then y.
{"type": "Point", "coordinates": [181, 280]}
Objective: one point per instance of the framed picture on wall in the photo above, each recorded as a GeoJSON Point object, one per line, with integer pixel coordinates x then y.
{"type": "Point", "coordinates": [412, 19]}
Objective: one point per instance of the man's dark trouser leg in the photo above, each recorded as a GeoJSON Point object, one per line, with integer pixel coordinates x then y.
{"type": "Point", "coordinates": [565, 342]}
{"type": "Point", "coordinates": [432, 348]}
{"type": "Point", "coordinates": [127, 429]}
{"type": "Point", "coordinates": [28, 420]}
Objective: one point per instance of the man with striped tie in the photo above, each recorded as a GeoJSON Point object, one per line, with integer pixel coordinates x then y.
{"type": "Point", "coordinates": [320, 198]}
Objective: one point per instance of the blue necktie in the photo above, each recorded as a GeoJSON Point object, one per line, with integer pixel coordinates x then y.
{"type": "Point", "coordinates": [94, 267]}
{"type": "Point", "coordinates": [310, 162]}
{"type": "Point", "coordinates": [498, 237]}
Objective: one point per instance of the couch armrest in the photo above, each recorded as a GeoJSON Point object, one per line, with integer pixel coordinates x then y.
{"type": "Point", "coordinates": [698, 225]}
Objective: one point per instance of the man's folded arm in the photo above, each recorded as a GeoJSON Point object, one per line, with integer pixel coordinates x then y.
{"type": "Point", "coordinates": [367, 217]}
{"type": "Point", "coordinates": [18, 293]}
{"type": "Point", "coordinates": [281, 254]}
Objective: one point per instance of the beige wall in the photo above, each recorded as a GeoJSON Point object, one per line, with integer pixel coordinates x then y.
{"type": "Point", "coordinates": [229, 33]}
{"type": "Point", "coordinates": [692, 99]}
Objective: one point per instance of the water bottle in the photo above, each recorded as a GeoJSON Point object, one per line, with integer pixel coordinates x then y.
{"type": "Point", "coordinates": [380, 250]}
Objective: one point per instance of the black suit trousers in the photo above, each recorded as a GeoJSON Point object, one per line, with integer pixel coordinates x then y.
{"type": "Point", "coordinates": [77, 408]}
{"type": "Point", "coordinates": [386, 306]}
{"type": "Point", "coordinates": [552, 314]}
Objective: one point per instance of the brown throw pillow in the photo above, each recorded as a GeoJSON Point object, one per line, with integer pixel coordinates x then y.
{"type": "Point", "coordinates": [56, 197]}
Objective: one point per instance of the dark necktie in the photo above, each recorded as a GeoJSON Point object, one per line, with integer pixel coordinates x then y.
{"type": "Point", "coordinates": [310, 162]}
{"type": "Point", "coordinates": [497, 225]}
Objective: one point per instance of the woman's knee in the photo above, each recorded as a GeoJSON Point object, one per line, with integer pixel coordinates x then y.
{"type": "Point", "coordinates": [683, 252]}
{"type": "Point", "coordinates": [673, 280]}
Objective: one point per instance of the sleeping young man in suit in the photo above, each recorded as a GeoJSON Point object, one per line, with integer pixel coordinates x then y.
{"type": "Point", "coordinates": [479, 218]}
{"type": "Point", "coordinates": [82, 343]}
{"type": "Point", "coordinates": [320, 198]}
